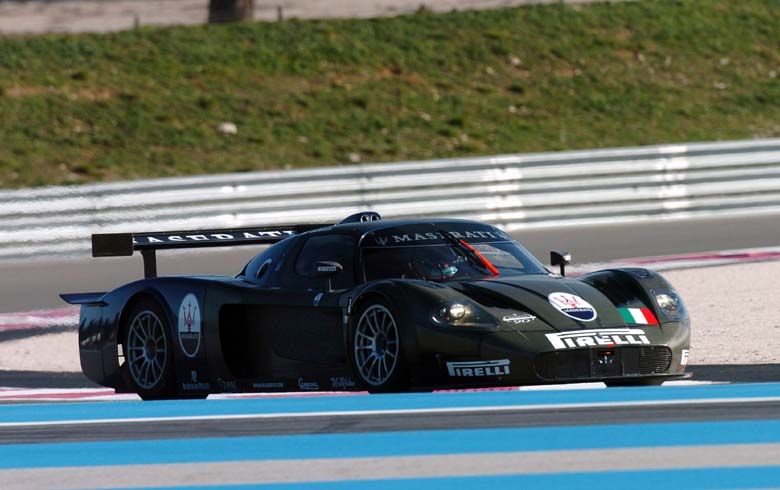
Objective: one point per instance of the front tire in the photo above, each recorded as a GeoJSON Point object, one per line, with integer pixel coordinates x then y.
{"type": "Point", "coordinates": [376, 351]}
{"type": "Point", "coordinates": [148, 351]}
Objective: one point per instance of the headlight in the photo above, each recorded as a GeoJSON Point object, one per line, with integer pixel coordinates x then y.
{"type": "Point", "coordinates": [450, 313]}
{"type": "Point", "coordinates": [670, 303]}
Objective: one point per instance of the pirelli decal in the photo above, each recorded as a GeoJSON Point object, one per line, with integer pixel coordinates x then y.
{"type": "Point", "coordinates": [498, 367]}
{"type": "Point", "coordinates": [604, 337]}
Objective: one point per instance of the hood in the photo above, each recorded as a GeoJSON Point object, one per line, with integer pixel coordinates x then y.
{"type": "Point", "coordinates": [561, 303]}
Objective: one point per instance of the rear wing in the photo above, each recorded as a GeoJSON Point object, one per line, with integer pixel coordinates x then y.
{"type": "Point", "coordinates": [124, 244]}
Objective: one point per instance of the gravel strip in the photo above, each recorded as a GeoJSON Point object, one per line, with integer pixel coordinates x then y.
{"type": "Point", "coordinates": [734, 310]}
{"type": "Point", "coordinates": [52, 352]}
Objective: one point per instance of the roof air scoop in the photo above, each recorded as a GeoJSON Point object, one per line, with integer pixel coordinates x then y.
{"type": "Point", "coordinates": [364, 217]}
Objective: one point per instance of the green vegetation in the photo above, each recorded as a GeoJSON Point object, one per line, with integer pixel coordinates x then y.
{"type": "Point", "coordinates": [81, 108]}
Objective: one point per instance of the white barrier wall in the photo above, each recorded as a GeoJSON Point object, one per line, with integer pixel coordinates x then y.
{"type": "Point", "coordinates": [39, 16]}
{"type": "Point", "coordinates": [512, 191]}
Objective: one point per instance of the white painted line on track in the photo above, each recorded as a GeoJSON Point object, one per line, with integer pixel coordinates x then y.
{"type": "Point", "coordinates": [411, 411]}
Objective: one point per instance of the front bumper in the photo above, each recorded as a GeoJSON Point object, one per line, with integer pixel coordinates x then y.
{"type": "Point", "coordinates": [603, 363]}
{"type": "Point", "coordinates": [510, 358]}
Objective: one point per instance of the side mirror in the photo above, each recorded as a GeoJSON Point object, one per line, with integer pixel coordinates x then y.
{"type": "Point", "coordinates": [327, 269]}
{"type": "Point", "coordinates": [560, 258]}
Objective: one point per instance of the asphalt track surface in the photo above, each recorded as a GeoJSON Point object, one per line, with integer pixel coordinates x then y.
{"type": "Point", "coordinates": [364, 423]}
{"type": "Point", "coordinates": [36, 284]}
{"type": "Point", "coordinates": [716, 436]}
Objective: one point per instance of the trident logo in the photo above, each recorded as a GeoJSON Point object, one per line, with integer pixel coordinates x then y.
{"type": "Point", "coordinates": [188, 318]}
{"type": "Point", "coordinates": [570, 301]}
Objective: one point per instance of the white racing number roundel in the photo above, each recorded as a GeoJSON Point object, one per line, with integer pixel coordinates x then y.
{"type": "Point", "coordinates": [189, 325]}
{"type": "Point", "coordinates": [573, 306]}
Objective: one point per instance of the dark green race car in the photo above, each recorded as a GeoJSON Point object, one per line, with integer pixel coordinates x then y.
{"type": "Point", "coordinates": [379, 306]}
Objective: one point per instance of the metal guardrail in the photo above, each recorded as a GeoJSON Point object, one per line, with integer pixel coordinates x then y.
{"type": "Point", "coordinates": [512, 191]}
{"type": "Point", "coordinates": [24, 16]}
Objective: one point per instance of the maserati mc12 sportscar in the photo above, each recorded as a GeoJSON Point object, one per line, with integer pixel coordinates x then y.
{"type": "Point", "coordinates": [375, 305]}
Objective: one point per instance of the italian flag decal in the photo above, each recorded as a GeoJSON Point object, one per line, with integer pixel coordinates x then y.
{"type": "Point", "coordinates": [638, 316]}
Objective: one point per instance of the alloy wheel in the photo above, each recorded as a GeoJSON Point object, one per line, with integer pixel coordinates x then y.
{"type": "Point", "coordinates": [377, 345]}
{"type": "Point", "coordinates": [146, 350]}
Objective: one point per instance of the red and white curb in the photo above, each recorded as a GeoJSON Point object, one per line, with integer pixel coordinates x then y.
{"type": "Point", "coordinates": [106, 394]}
{"type": "Point", "coordinates": [8, 394]}
{"type": "Point", "coordinates": [39, 319]}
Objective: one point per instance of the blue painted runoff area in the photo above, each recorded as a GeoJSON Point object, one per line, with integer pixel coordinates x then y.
{"type": "Point", "coordinates": [355, 403]}
{"type": "Point", "coordinates": [383, 444]}
{"type": "Point", "coordinates": [714, 479]}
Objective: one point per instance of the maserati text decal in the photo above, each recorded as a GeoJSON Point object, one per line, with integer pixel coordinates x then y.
{"type": "Point", "coordinates": [244, 235]}
{"type": "Point", "coordinates": [411, 238]}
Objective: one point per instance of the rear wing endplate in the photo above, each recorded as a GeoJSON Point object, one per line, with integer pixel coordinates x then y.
{"type": "Point", "coordinates": [124, 244]}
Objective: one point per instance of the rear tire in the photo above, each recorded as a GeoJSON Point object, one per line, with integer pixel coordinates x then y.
{"type": "Point", "coordinates": [376, 349]}
{"type": "Point", "coordinates": [148, 350]}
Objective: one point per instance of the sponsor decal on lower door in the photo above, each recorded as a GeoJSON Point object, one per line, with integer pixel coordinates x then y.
{"type": "Point", "coordinates": [479, 368]}
{"type": "Point", "coordinates": [194, 384]}
{"type": "Point", "coordinates": [341, 382]}
{"type": "Point", "coordinates": [598, 338]}
{"type": "Point", "coordinates": [199, 386]}
{"type": "Point", "coordinates": [684, 357]}
{"type": "Point", "coordinates": [270, 385]}
{"type": "Point", "coordinates": [227, 385]}
{"type": "Point", "coordinates": [308, 385]}
{"type": "Point", "coordinates": [189, 325]}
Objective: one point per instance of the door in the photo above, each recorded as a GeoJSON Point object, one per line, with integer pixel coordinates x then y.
{"type": "Point", "coordinates": [308, 324]}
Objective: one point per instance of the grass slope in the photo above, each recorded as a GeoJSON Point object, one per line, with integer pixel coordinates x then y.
{"type": "Point", "coordinates": [81, 108]}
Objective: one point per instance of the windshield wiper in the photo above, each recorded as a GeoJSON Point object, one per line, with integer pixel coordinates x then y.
{"type": "Point", "coordinates": [471, 253]}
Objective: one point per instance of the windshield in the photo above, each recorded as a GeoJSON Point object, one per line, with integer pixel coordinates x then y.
{"type": "Point", "coordinates": [449, 261]}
